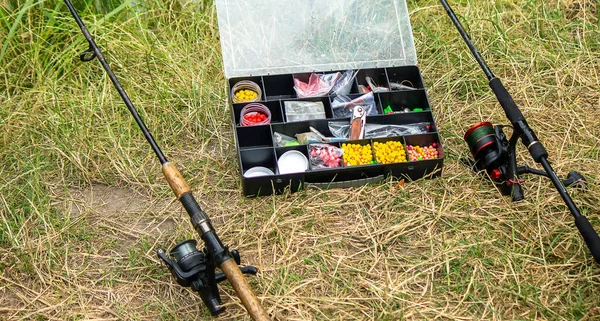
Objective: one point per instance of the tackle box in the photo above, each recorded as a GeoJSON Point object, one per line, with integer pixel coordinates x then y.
{"type": "Point", "coordinates": [271, 42]}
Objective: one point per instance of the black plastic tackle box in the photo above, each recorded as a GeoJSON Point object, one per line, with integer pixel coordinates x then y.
{"type": "Point", "coordinates": [271, 48]}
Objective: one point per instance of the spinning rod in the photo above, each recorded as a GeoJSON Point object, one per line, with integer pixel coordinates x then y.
{"type": "Point", "coordinates": [494, 153]}
{"type": "Point", "coordinates": [190, 267]}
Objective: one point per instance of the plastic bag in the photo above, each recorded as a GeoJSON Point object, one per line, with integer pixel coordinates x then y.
{"type": "Point", "coordinates": [321, 85]}
{"type": "Point", "coordinates": [342, 129]}
{"type": "Point", "coordinates": [404, 85]}
{"type": "Point", "coordinates": [282, 140]}
{"type": "Point", "coordinates": [317, 86]}
{"type": "Point", "coordinates": [304, 110]}
{"type": "Point", "coordinates": [397, 86]}
{"type": "Point", "coordinates": [344, 84]}
{"type": "Point", "coordinates": [325, 156]}
{"type": "Point", "coordinates": [342, 105]}
{"type": "Point", "coordinates": [307, 138]}
{"type": "Point", "coordinates": [315, 137]}
{"type": "Point", "coordinates": [374, 87]}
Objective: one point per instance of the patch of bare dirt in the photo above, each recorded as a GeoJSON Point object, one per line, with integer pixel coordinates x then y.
{"type": "Point", "coordinates": [122, 214]}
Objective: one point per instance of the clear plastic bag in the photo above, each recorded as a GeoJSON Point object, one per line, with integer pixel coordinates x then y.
{"type": "Point", "coordinates": [317, 86]}
{"type": "Point", "coordinates": [325, 156]}
{"type": "Point", "coordinates": [342, 105]}
{"type": "Point", "coordinates": [321, 85]}
{"type": "Point", "coordinates": [282, 140]}
{"type": "Point", "coordinates": [344, 84]}
{"type": "Point", "coordinates": [403, 85]}
{"type": "Point", "coordinates": [374, 86]}
{"type": "Point", "coordinates": [342, 129]}
{"type": "Point", "coordinates": [303, 110]}
{"type": "Point", "coordinates": [307, 138]}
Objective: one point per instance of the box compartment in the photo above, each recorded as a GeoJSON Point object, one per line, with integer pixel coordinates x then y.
{"type": "Point", "coordinates": [400, 100]}
{"type": "Point", "coordinates": [274, 109]}
{"type": "Point", "coordinates": [256, 80]}
{"type": "Point", "coordinates": [279, 87]}
{"type": "Point", "coordinates": [405, 75]}
{"type": "Point", "coordinates": [324, 100]}
{"type": "Point", "coordinates": [253, 136]}
{"type": "Point", "coordinates": [378, 77]}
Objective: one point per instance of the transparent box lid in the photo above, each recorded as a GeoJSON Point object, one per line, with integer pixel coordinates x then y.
{"type": "Point", "coordinates": [265, 37]}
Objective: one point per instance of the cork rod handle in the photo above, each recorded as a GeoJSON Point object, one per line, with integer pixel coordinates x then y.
{"type": "Point", "coordinates": [243, 290]}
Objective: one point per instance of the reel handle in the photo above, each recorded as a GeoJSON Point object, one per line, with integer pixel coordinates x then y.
{"type": "Point", "coordinates": [589, 235]}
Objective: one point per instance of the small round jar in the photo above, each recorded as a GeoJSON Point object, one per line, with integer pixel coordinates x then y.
{"type": "Point", "coordinates": [258, 171]}
{"type": "Point", "coordinates": [251, 115]}
{"type": "Point", "coordinates": [292, 161]}
{"type": "Point", "coordinates": [238, 90]}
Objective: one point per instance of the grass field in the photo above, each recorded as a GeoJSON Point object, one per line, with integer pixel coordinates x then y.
{"type": "Point", "coordinates": [84, 206]}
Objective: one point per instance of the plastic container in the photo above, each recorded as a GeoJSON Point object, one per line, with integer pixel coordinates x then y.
{"type": "Point", "coordinates": [245, 85]}
{"type": "Point", "coordinates": [292, 161]}
{"type": "Point", "coordinates": [258, 171]}
{"type": "Point", "coordinates": [252, 110]}
{"type": "Point", "coordinates": [268, 44]}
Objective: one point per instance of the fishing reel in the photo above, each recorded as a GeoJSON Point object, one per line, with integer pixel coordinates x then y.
{"type": "Point", "coordinates": [196, 269]}
{"type": "Point", "coordinates": [495, 154]}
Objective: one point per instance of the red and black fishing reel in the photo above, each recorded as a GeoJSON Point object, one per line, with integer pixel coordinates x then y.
{"type": "Point", "coordinates": [495, 154]}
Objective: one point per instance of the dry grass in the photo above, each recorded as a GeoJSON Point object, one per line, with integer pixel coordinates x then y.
{"type": "Point", "coordinates": [83, 206]}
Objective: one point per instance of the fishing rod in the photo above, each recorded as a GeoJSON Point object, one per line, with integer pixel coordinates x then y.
{"type": "Point", "coordinates": [495, 154]}
{"type": "Point", "coordinates": [189, 266]}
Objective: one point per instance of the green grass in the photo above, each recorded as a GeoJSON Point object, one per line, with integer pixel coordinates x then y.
{"type": "Point", "coordinates": [83, 205]}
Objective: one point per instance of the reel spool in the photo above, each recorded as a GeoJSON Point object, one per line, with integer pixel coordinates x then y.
{"type": "Point", "coordinates": [480, 136]}
{"type": "Point", "coordinates": [485, 146]}
{"type": "Point", "coordinates": [494, 154]}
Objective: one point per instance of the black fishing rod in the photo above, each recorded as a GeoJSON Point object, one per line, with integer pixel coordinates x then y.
{"type": "Point", "coordinates": [495, 154]}
{"type": "Point", "coordinates": [191, 267]}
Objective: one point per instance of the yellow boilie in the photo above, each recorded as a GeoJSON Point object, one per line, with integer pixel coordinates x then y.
{"type": "Point", "coordinates": [246, 95]}
{"type": "Point", "coordinates": [389, 152]}
{"type": "Point", "coordinates": [356, 154]}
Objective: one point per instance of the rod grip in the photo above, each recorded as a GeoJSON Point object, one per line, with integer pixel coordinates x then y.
{"type": "Point", "coordinates": [506, 101]}
{"type": "Point", "coordinates": [176, 180]}
{"type": "Point", "coordinates": [589, 235]}
{"type": "Point", "coordinates": [242, 288]}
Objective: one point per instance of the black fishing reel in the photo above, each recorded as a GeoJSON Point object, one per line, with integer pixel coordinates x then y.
{"type": "Point", "coordinates": [196, 269]}
{"type": "Point", "coordinates": [495, 154]}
